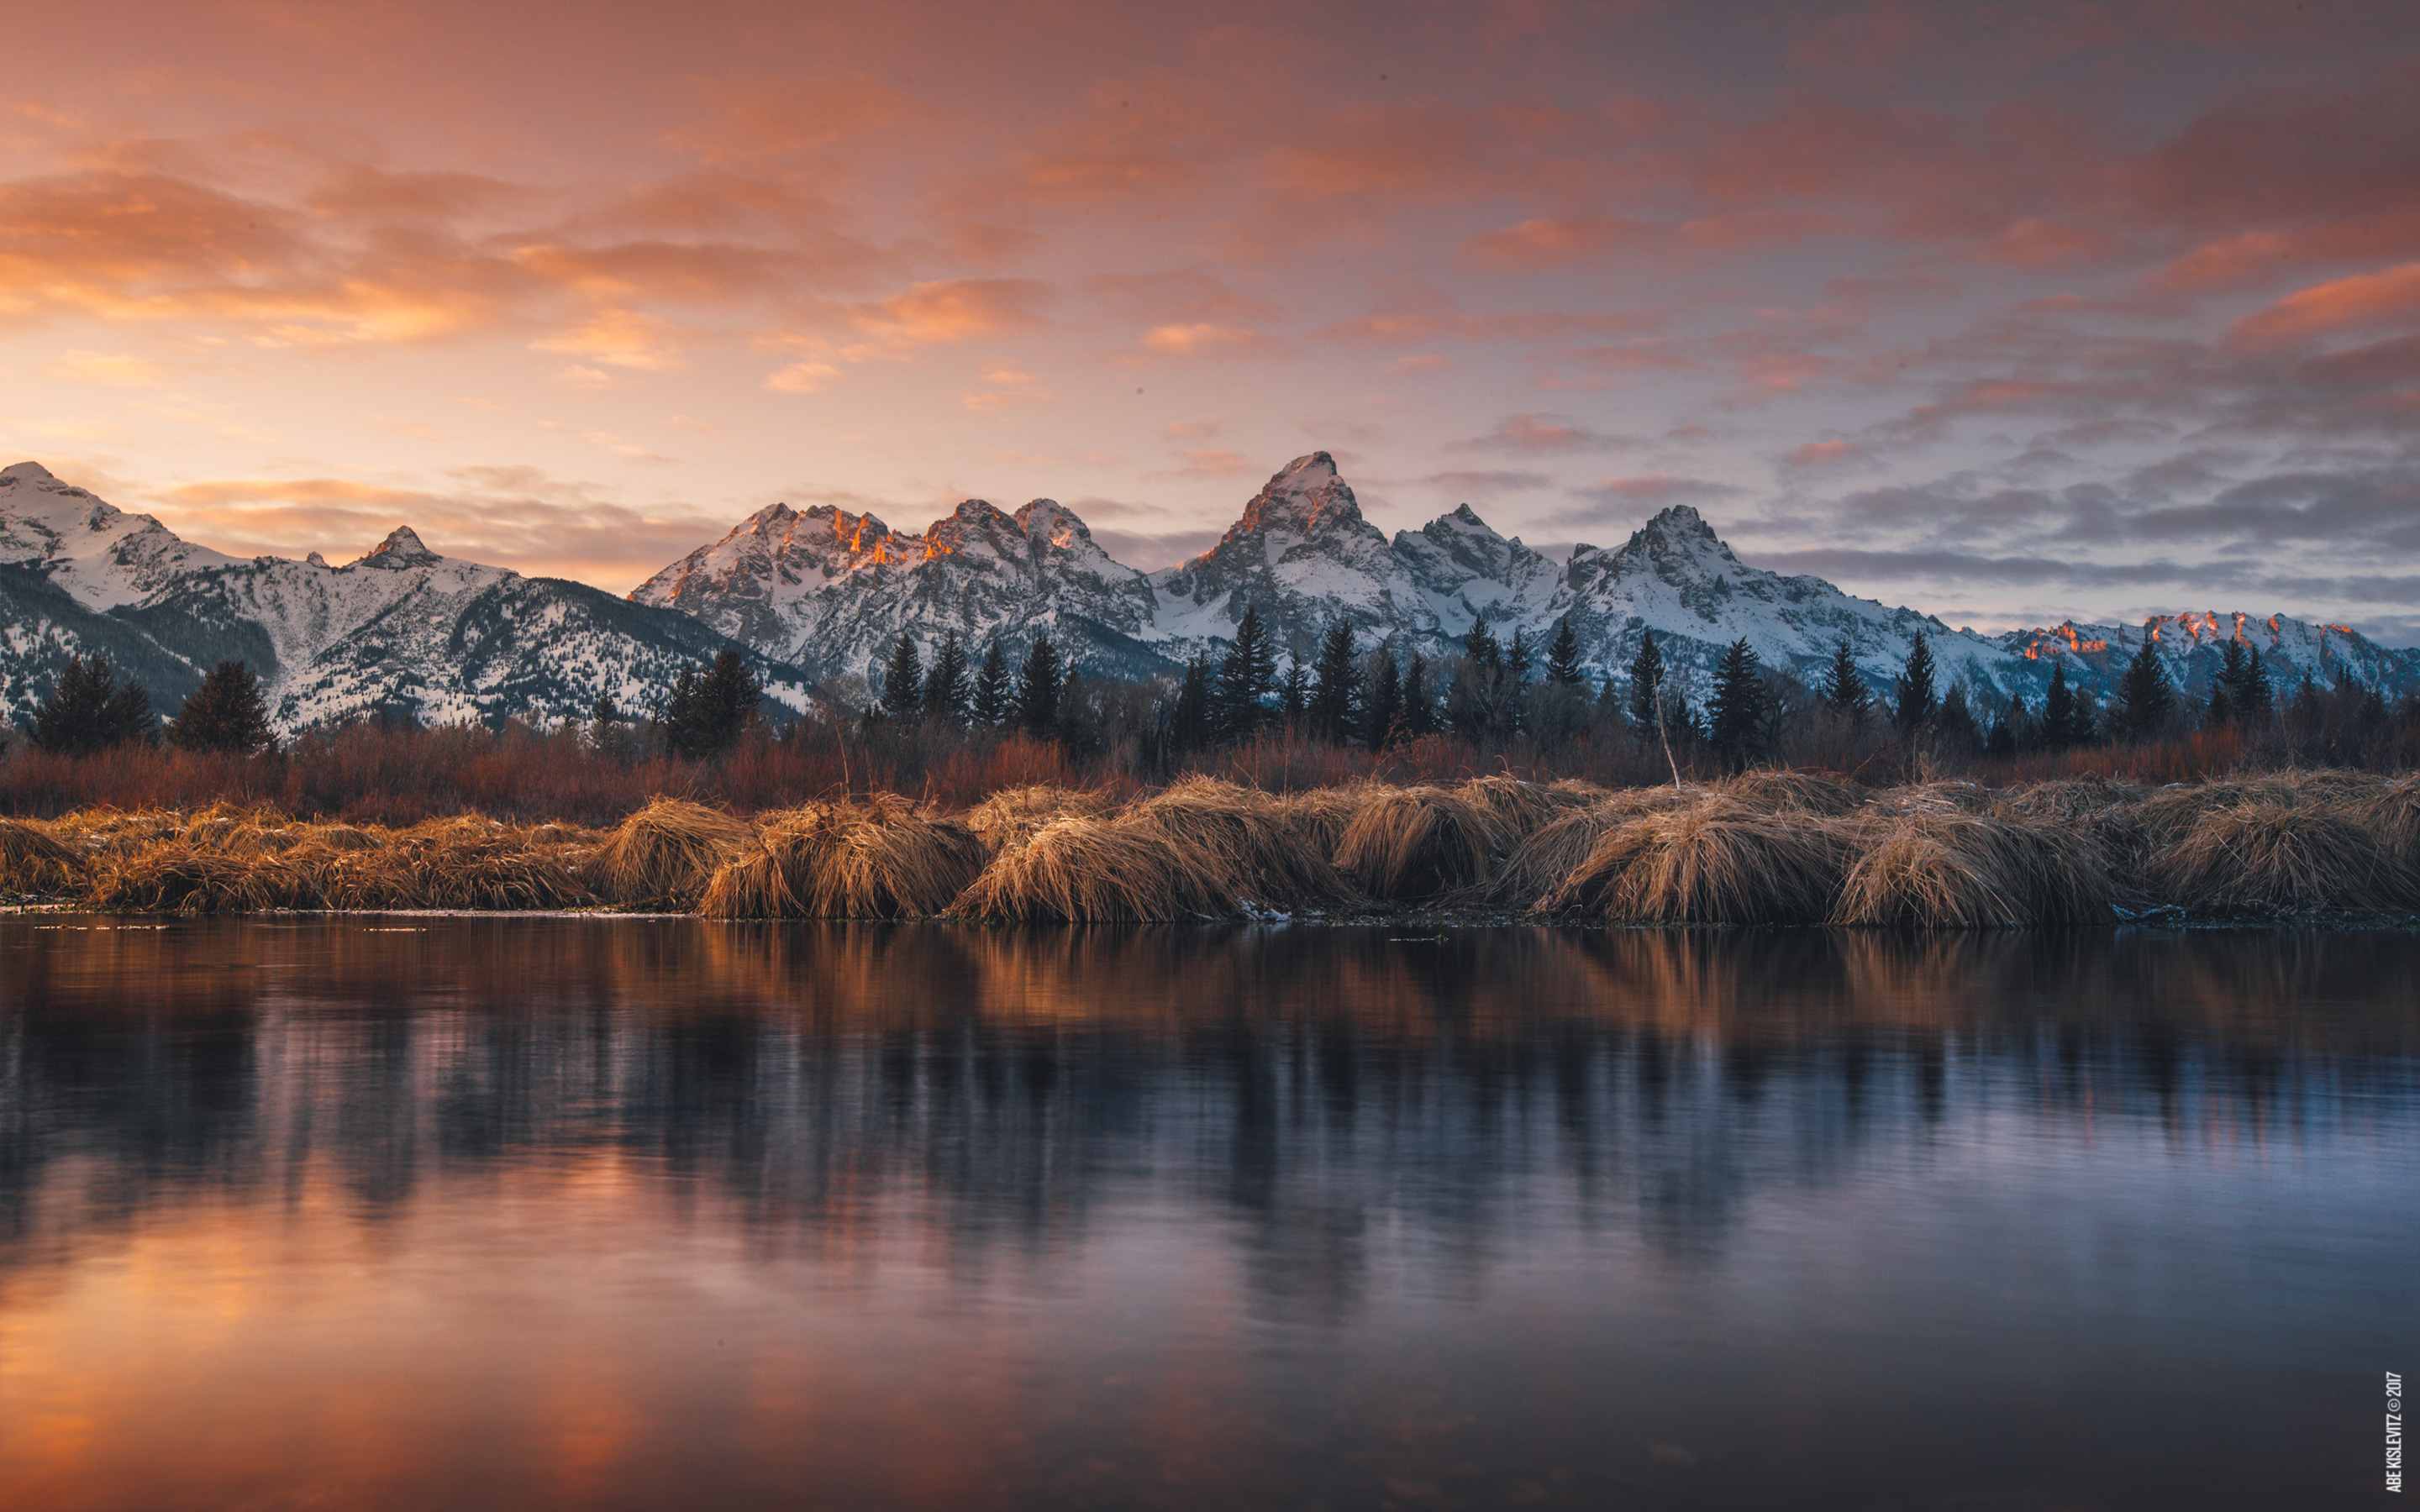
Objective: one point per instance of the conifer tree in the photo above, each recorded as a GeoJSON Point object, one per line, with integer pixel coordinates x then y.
{"type": "Point", "coordinates": [1646, 684]}
{"type": "Point", "coordinates": [1844, 688]}
{"type": "Point", "coordinates": [1038, 684]}
{"type": "Point", "coordinates": [86, 711]}
{"type": "Point", "coordinates": [1736, 713]}
{"type": "Point", "coordinates": [945, 685]}
{"type": "Point", "coordinates": [1517, 657]}
{"type": "Point", "coordinates": [1386, 715]}
{"type": "Point", "coordinates": [225, 714]}
{"type": "Point", "coordinates": [1955, 720]}
{"type": "Point", "coordinates": [1293, 692]}
{"type": "Point", "coordinates": [1564, 656]}
{"type": "Point", "coordinates": [706, 714]}
{"type": "Point", "coordinates": [605, 711]}
{"type": "Point", "coordinates": [2146, 700]}
{"type": "Point", "coordinates": [1917, 700]}
{"type": "Point", "coordinates": [1417, 715]}
{"type": "Point", "coordinates": [903, 680]}
{"type": "Point", "coordinates": [1188, 727]}
{"type": "Point", "coordinates": [1336, 683]}
{"type": "Point", "coordinates": [991, 686]}
{"type": "Point", "coordinates": [1245, 676]}
{"type": "Point", "coordinates": [2058, 711]}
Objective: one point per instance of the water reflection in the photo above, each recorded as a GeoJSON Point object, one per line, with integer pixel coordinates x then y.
{"type": "Point", "coordinates": [1005, 1176]}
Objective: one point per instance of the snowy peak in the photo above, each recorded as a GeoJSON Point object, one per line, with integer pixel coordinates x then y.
{"type": "Point", "coordinates": [1676, 545]}
{"type": "Point", "coordinates": [1306, 497]}
{"type": "Point", "coordinates": [401, 549]}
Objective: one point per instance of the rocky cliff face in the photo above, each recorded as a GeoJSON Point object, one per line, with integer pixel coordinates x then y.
{"type": "Point", "coordinates": [403, 631]}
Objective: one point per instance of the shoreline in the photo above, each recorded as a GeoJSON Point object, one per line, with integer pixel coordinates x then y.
{"type": "Point", "coordinates": [2325, 848]}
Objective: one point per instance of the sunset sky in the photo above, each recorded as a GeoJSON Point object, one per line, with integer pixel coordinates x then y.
{"type": "Point", "coordinates": [2011, 311]}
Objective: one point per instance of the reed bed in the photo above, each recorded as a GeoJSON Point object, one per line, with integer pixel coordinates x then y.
{"type": "Point", "coordinates": [664, 855]}
{"type": "Point", "coordinates": [1764, 848]}
{"type": "Point", "coordinates": [1413, 843]}
{"type": "Point", "coordinates": [1085, 871]}
{"type": "Point", "coordinates": [1948, 869]}
{"type": "Point", "coordinates": [1715, 861]}
{"type": "Point", "coordinates": [1257, 845]}
{"type": "Point", "coordinates": [881, 860]}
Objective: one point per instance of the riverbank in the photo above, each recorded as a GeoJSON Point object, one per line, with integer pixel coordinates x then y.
{"type": "Point", "coordinates": [1771, 848]}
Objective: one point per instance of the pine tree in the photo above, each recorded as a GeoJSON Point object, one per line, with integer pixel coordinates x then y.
{"type": "Point", "coordinates": [1646, 683]}
{"type": "Point", "coordinates": [1844, 688]}
{"type": "Point", "coordinates": [604, 711]}
{"type": "Point", "coordinates": [1564, 656]}
{"type": "Point", "coordinates": [1419, 715]}
{"type": "Point", "coordinates": [1956, 721]}
{"type": "Point", "coordinates": [1737, 711]}
{"type": "Point", "coordinates": [2244, 683]}
{"type": "Point", "coordinates": [1188, 726]}
{"type": "Point", "coordinates": [2147, 698]}
{"type": "Point", "coordinates": [1245, 676]}
{"type": "Point", "coordinates": [1293, 692]}
{"type": "Point", "coordinates": [1517, 657]}
{"type": "Point", "coordinates": [225, 714]}
{"type": "Point", "coordinates": [991, 686]}
{"type": "Point", "coordinates": [1336, 683]}
{"type": "Point", "coordinates": [945, 685]}
{"type": "Point", "coordinates": [1385, 717]}
{"type": "Point", "coordinates": [2059, 712]}
{"type": "Point", "coordinates": [86, 711]}
{"type": "Point", "coordinates": [1918, 700]}
{"type": "Point", "coordinates": [1038, 685]}
{"type": "Point", "coordinates": [903, 682]}
{"type": "Point", "coordinates": [706, 714]}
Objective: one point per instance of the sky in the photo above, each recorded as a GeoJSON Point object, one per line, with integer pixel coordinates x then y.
{"type": "Point", "coordinates": [2012, 313]}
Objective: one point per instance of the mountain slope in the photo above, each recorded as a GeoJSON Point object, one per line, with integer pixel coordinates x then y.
{"type": "Point", "coordinates": [404, 632]}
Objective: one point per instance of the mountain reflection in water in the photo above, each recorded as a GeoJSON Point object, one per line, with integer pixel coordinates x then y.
{"type": "Point", "coordinates": [586, 1212]}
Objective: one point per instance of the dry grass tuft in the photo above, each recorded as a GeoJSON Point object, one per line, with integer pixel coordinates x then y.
{"type": "Point", "coordinates": [2393, 815]}
{"type": "Point", "coordinates": [1714, 862]}
{"type": "Point", "coordinates": [443, 863]}
{"type": "Point", "coordinates": [664, 853]}
{"type": "Point", "coordinates": [1540, 862]}
{"type": "Point", "coordinates": [1517, 806]}
{"type": "Point", "coordinates": [2269, 856]}
{"type": "Point", "coordinates": [184, 876]}
{"type": "Point", "coordinates": [1319, 815]}
{"type": "Point", "coordinates": [1773, 790]}
{"type": "Point", "coordinates": [1013, 815]}
{"type": "Point", "coordinates": [1259, 849]}
{"type": "Point", "coordinates": [883, 860]}
{"type": "Point", "coordinates": [1931, 869]}
{"type": "Point", "coordinates": [35, 862]}
{"type": "Point", "coordinates": [1418, 842]}
{"type": "Point", "coordinates": [1083, 870]}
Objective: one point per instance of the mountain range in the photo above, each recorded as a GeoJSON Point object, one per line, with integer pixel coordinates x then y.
{"type": "Point", "coordinates": [817, 598]}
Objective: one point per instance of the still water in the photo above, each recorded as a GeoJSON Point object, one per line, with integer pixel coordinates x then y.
{"type": "Point", "coordinates": [548, 1213]}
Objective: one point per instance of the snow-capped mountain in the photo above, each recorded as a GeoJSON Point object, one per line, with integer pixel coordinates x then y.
{"type": "Point", "coordinates": [833, 592]}
{"type": "Point", "coordinates": [402, 631]}
{"type": "Point", "coordinates": [2192, 644]}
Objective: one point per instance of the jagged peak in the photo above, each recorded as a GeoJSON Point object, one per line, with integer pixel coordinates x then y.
{"type": "Point", "coordinates": [1679, 530]}
{"type": "Point", "coordinates": [25, 473]}
{"type": "Point", "coordinates": [314, 559]}
{"type": "Point", "coordinates": [775, 514]}
{"type": "Point", "coordinates": [1307, 493]}
{"type": "Point", "coordinates": [402, 548]}
{"type": "Point", "coordinates": [1044, 518]}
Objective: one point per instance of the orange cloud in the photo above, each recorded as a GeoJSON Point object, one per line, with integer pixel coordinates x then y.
{"type": "Point", "coordinates": [1205, 340]}
{"type": "Point", "coordinates": [1819, 453]}
{"type": "Point", "coordinates": [751, 120]}
{"type": "Point", "coordinates": [2389, 298]}
{"type": "Point", "coordinates": [953, 310]}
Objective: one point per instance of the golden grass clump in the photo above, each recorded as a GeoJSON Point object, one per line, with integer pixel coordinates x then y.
{"type": "Point", "coordinates": [463, 863]}
{"type": "Point", "coordinates": [1936, 868]}
{"type": "Point", "coordinates": [2270, 857]}
{"type": "Point", "coordinates": [184, 876]}
{"type": "Point", "coordinates": [1518, 806]}
{"type": "Point", "coordinates": [1774, 789]}
{"type": "Point", "coordinates": [2393, 815]}
{"type": "Point", "coordinates": [664, 853]}
{"type": "Point", "coordinates": [882, 861]}
{"type": "Point", "coordinates": [1260, 851]}
{"type": "Point", "coordinates": [1011, 815]}
{"type": "Point", "coordinates": [98, 832]}
{"type": "Point", "coordinates": [35, 862]}
{"type": "Point", "coordinates": [1083, 870]}
{"type": "Point", "coordinates": [1417, 842]}
{"type": "Point", "coordinates": [1716, 862]}
{"type": "Point", "coordinates": [1321, 814]}
{"type": "Point", "coordinates": [1543, 858]}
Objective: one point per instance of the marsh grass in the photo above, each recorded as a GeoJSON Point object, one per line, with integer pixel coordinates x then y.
{"type": "Point", "coordinates": [36, 863]}
{"type": "Point", "coordinates": [1949, 868]}
{"type": "Point", "coordinates": [2266, 856]}
{"type": "Point", "coordinates": [664, 853]}
{"type": "Point", "coordinates": [882, 859]}
{"type": "Point", "coordinates": [1085, 871]}
{"type": "Point", "coordinates": [1406, 845]}
{"type": "Point", "coordinates": [1258, 844]}
{"type": "Point", "coordinates": [1011, 815]}
{"type": "Point", "coordinates": [1714, 861]}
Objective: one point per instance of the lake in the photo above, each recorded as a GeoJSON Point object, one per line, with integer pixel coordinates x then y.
{"type": "Point", "coordinates": [536, 1212]}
